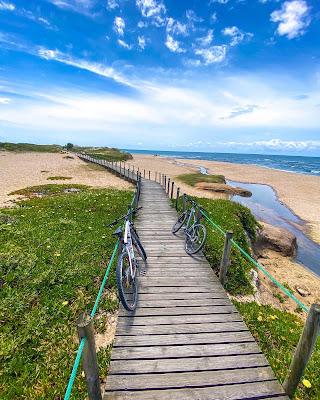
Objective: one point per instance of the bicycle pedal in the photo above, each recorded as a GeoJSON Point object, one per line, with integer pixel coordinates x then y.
{"type": "Point", "coordinates": [143, 272]}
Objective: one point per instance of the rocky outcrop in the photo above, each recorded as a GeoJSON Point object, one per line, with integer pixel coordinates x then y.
{"type": "Point", "coordinates": [223, 188]}
{"type": "Point", "coordinates": [275, 238]}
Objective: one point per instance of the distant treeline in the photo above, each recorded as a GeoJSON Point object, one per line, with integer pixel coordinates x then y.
{"type": "Point", "coordinates": [105, 153]}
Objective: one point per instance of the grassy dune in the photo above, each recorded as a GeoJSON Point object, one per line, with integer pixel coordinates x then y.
{"type": "Point", "coordinates": [50, 268]}
{"type": "Point", "coordinates": [193, 179]}
{"type": "Point", "coordinates": [25, 147]}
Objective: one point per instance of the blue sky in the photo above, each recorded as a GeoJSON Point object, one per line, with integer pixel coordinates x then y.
{"type": "Point", "coordinates": [209, 75]}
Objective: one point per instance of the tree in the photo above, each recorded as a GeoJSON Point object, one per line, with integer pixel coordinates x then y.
{"type": "Point", "coordinates": [69, 146]}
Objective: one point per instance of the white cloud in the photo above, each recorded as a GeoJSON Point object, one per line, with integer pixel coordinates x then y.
{"type": "Point", "coordinates": [173, 45]}
{"type": "Point", "coordinates": [4, 100]}
{"type": "Point", "coordinates": [124, 44]}
{"type": "Point", "coordinates": [153, 9]}
{"type": "Point", "coordinates": [7, 6]}
{"type": "Point", "coordinates": [206, 40]}
{"type": "Point", "coordinates": [176, 27]}
{"type": "Point", "coordinates": [141, 42]}
{"type": "Point", "coordinates": [293, 18]}
{"type": "Point", "coordinates": [119, 25]}
{"type": "Point", "coordinates": [237, 36]}
{"type": "Point", "coordinates": [213, 54]}
{"type": "Point", "coordinates": [112, 4]}
{"type": "Point", "coordinates": [240, 110]}
{"type": "Point", "coordinates": [95, 68]}
{"type": "Point", "coordinates": [79, 6]}
{"type": "Point", "coordinates": [276, 145]}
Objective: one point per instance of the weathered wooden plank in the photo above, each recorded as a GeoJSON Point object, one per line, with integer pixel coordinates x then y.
{"type": "Point", "coordinates": [218, 294]}
{"type": "Point", "coordinates": [181, 328]}
{"type": "Point", "coordinates": [182, 303]}
{"type": "Point", "coordinates": [173, 281]}
{"type": "Point", "coordinates": [173, 272]}
{"type": "Point", "coordinates": [148, 311]}
{"type": "Point", "coordinates": [193, 350]}
{"type": "Point", "coordinates": [174, 289]}
{"type": "Point", "coordinates": [246, 391]}
{"type": "Point", "coordinates": [175, 339]}
{"type": "Point", "coordinates": [189, 379]}
{"type": "Point", "coordinates": [178, 319]}
{"type": "Point", "coordinates": [187, 364]}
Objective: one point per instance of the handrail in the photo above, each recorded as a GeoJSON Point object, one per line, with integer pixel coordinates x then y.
{"type": "Point", "coordinates": [136, 178]}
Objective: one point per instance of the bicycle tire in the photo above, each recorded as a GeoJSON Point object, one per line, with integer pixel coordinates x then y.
{"type": "Point", "coordinates": [128, 298]}
{"type": "Point", "coordinates": [192, 243]}
{"type": "Point", "coordinates": [138, 245]}
{"type": "Point", "coordinates": [180, 222]}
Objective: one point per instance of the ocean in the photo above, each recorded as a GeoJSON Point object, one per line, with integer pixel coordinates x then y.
{"type": "Point", "coordinates": [299, 164]}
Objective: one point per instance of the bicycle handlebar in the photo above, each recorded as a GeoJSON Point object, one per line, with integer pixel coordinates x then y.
{"type": "Point", "coordinates": [131, 212]}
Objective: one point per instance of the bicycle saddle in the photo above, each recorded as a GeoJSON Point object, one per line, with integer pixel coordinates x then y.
{"type": "Point", "coordinates": [118, 232]}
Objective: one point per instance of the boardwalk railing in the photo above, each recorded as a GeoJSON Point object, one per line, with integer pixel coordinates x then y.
{"type": "Point", "coordinates": [311, 329]}
{"type": "Point", "coordinates": [86, 350]}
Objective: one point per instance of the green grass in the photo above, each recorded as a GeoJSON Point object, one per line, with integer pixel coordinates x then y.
{"type": "Point", "coordinates": [50, 268]}
{"type": "Point", "coordinates": [233, 217]}
{"type": "Point", "coordinates": [278, 333]}
{"type": "Point", "coordinates": [58, 178]}
{"type": "Point", "coordinates": [193, 179]}
{"type": "Point", "coordinates": [48, 190]}
{"type": "Point", "coordinates": [105, 153]}
{"type": "Point", "coordinates": [25, 147]}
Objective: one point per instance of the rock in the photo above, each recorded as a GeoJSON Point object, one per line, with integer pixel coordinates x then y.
{"type": "Point", "coordinates": [275, 238]}
{"type": "Point", "coordinates": [302, 290]}
{"type": "Point", "coordinates": [223, 188]}
{"type": "Point", "coordinates": [72, 190]}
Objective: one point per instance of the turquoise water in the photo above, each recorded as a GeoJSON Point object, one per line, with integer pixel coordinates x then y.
{"type": "Point", "coordinates": [303, 165]}
{"type": "Point", "coordinates": [266, 207]}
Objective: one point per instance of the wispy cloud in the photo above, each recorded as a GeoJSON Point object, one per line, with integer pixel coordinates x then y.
{"type": "Point", "coordinates": [124, 44]}
{"type": "Point", "coordinates": [206, 40]}
{"type": "Point", "coordinates": [276, 145]}
{"type": "Point", "coordinates": [237, 111]}
{"type": "Point", "coordinates": [7, 6]}
{"type": "Point", "coordinates": [78, 6]}
{"type": "Point", "coordinates": [212, 55]}
{"type": "Point", "coordinates": [96, 68]}
{"type": "Point", "coordinates": [119, 26]}
{"type": "Point", "coordinates": [293, 18]}
{"type": "Point", "coordinates": [237, 36]}
{"type": "Point", "coordinates": [173, 45]}
{"type": "Point", "coordinates": [141, 42]}
{"type": "Point", "coordinates": [176, 28]}
{"type": "Point", "coordinates": [154, 10]}
{"type": "Point", "coordinates": [112, 4]}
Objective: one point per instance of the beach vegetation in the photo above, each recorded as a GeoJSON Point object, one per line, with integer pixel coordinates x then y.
{"type": "Point", "coordinates": [58, 178]}
{"type": "Point", "coordinates": [49, 190]}
{"type": "Point", "coordinates": [104, 153]}
{"type": "Point", "coordinates": [27, 147]}
{"type": "Point", "coordinates": [53, 255]}
{"type": "Point", "coordinates": [278, 333]}
{"type": "Point", "coordinates": [194, 178]}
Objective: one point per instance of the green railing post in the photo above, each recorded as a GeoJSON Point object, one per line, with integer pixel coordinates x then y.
{"type": "Point", "coordinates": [172, 186]}
{"type": "Point", "coordinates": [89, 356]}
{"type": "Point", "coordinates": [303, 351]}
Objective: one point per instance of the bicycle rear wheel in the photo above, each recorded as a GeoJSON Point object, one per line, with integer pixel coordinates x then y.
{"type": "Point", "coordinates": [181, 221]}
{"type": "Point", "coordinates": [195, 238]}
{"type": "Point", "coordinates": [127, 286]}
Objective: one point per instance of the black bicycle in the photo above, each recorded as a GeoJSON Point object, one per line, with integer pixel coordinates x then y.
{"type": "Point", "coordinates": [127, 262]}
{"type": "Point", "coordinates": [195, 233]}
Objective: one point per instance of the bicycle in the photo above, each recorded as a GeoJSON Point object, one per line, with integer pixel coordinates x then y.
{"type": "Point", "coordinates": [195, 233]}
{"type": "Point", "coordinates": [127, 265]}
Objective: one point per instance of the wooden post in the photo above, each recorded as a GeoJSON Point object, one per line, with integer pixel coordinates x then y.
{"type": "Point", "coordinates": [168, 188]}
{"type": "Point", "coordinates": [172, 185]}
{"type": "Point", "coordinates": [177, 198]}
{"type": "Point", "coordinates": [303, 351]}
{"type": "Point", "coordinates": [225, 260]}
{"type": "Point", "coordinates": [149, 174]}
{"type": "Point", "coordinates": [89, 356]}
{"type": "Point", "coordinates": [144, 173]}
{"type": "Point", "coordinates": [184, 202]}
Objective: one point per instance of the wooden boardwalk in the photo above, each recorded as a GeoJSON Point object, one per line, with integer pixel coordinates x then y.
{"type": "Point", "coordinates": [185, 340]}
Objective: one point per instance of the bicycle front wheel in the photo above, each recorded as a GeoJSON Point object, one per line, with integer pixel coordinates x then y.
{"type": "Point", "coordinates": [127, 285]}
{"type": "Point", "coordinates": [181, 221]}
{"type": "Point", "coordinates": [195, 238]}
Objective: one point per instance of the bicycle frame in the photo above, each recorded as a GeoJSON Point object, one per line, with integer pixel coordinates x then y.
{"type": "Point", "coordinates": [127, 241]}
{"type": "Point", "coordinates": [192, 214]}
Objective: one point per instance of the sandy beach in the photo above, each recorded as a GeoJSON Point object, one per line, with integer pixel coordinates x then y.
{"type": "Point", "coordinates": [20, 170]}
{"type": "Point", "coordinates": [301, 193]}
